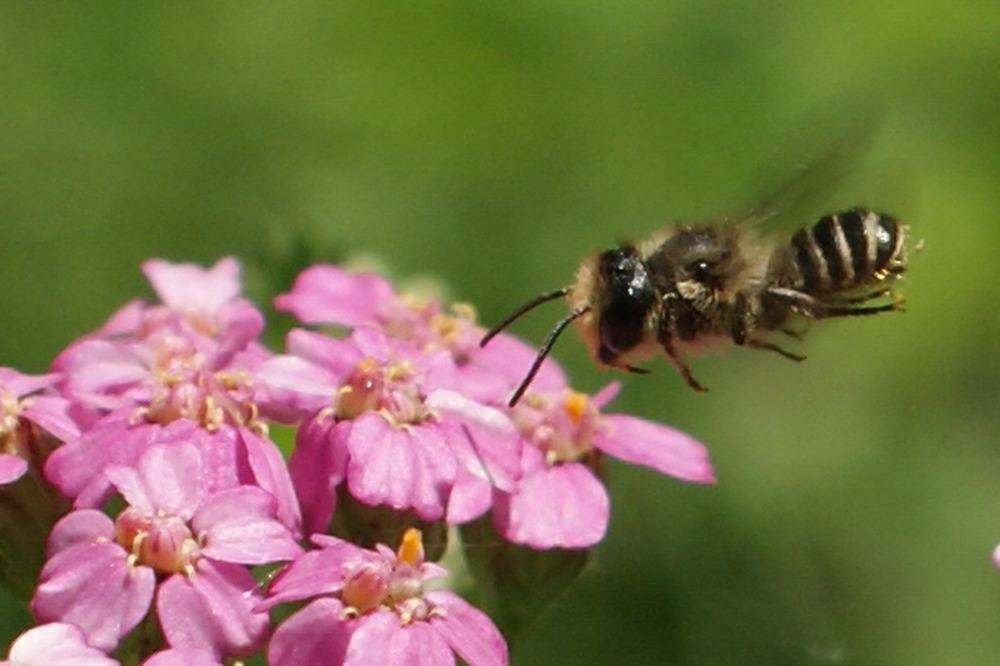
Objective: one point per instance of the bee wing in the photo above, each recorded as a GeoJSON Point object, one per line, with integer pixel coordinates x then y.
{"type": "Point", "coordinates": [817, 176]}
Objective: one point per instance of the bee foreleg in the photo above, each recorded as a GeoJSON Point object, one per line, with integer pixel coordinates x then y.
{"type": "Point", "coordinates": [679, 363]}
{"type": "Point", "coordinates": [676, 317]}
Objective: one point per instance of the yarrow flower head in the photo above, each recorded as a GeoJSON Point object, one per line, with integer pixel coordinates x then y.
{"type": "Point", "coordinates": [32, 420]}
{"type": "Point", "coordinates": [326, 294]}
{"type": "Point", "coordinates": [162, 422]}
{"type": "Point", "coordinates": [62, 644]}
{"type": "Point", "coordinates": [385, 415]}
{"type": "Point", "coordinates": [181, 370]}
{"type": "Point", "coordinates": [560, 501]}
{"type": "Point", "coordinates": [176, 541]}
{"type": "Point", "coordinates": [55, 643]}
{"type": "Point", "coordinates": [374, 607]}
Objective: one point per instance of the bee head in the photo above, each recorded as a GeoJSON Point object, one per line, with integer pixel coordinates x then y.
{"type": "Point", "coordinates": [626, 299]}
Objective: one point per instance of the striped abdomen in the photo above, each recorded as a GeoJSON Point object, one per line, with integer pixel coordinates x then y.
{"type": "Point", "coordinates": [848, 251]}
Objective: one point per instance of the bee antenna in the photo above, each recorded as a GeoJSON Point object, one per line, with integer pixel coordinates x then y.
{"type": "Point", "coordinates": [530, 305]}
{"type": "Point", "coordinates": [543, 351]}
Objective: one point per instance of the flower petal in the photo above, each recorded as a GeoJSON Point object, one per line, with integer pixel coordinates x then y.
{"type": "Point", "coordinates": [76, 468]}
{"type": "Point", "coordinates": [334, 355]}
{"type": "Point", "coordinates": [20, 384]}
{"type": "Point", "coordinates": [91, 585]}
{"type": "Point", "coordinates": [403, 469]}
{"type": "Point", "coordinates": [564, 506]}
{"type": "Point", "coordinates": [270, 472]}
{"type": "Point", "coordinates": [316, 572]}
{"type": "Point", "coordinates": [290, 387]}
{"type": "Point", "coordinates": [192, 287]}
{"type": "Point", "coordinates": [97, 372]}
{"type": "Point", "coordinates": [311, 636]}
{"type": "Point", "coordinates": [182, 657]}
{"type": "Point", "coordinates": [167, 477]}
{"type": "Point", "coordinates": [510, 357]}
{"type": "Point", "coordinates": [468, 630]}
{"type": "Point", "coordinates": [657, 446]}
{"type": "Point", "coordinates": [59, 644]}
{"type": "Point", "coordinates": [76, 527]}
{"type": "Point", "coordinates": [53, 414]}
{"type": "Point", "coordinates": [212, 610]}
{"type": "Point", "coordinates": [325, 294]}
{"type": "Point", "coordinates": [318, 464]}
{"type": "Point", "coordinates": [12, 468]}
{"type": "Point", "coordinates": [470, 498]}
{"type": "Point", "coordinates": [484, 439]}
{"type": "Point", "coordinates": [380, 639]}
{"type": "Point", "coordinates": [238, 525]}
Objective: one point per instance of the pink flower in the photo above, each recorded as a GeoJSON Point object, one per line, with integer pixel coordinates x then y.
{"type": "Point", "coordinates": [55, 644]}
{"type": "Point", "coordinates": [153, 371]}
{"type": "Point", "coordinates": [175, 540]}
{"type": "Point", "coordinates": [27, 413]}
{"type": "Point", "coordinates": [183, 657]}
{"type": "Point", "coordinates": [383, 420]}
{"type": "Point", "coordinates": [372, 607]}
{"type": "Point", "coordinates": [195, 301]}
{"type": "Point", "coordinates": [325, 294]}
{"type": "Point", "coordinates": [560, 503]}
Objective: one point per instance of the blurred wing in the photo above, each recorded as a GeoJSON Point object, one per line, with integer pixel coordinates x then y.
{"type": "Point", "coordinates": [834, 151]}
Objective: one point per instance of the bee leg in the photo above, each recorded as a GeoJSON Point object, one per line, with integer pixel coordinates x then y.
{"type": "Point", "coordinates": [884, 293]}
{"type": "Point", "coordinates": [770, 346]}
{"type": "Point", "coordinates": [681, 366]}
{"type": "Point", "coordinates": [796, 301]}
{"type": "Point", "coordinates": [676, 317]}
{"type": "Point", "coordinates": [741, 319]}
{"type": "Point", "coordinates": [793, 333]}
{"type": "Point", "coordinates": [851, 312]}
{"type": "Point", "coordinates": [637, 370]}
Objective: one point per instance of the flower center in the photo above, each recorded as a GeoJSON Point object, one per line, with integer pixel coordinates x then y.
{"type": "Point", "coordinates": [365, 588]}
{"type": "Point", "coordinates": [396, 583]}
{"type": "Point", "coordinates": [389, 389]}
{"type": "Point", "coordinates": [561, 427]}
{"type": "Point", "coordinates": [159, 540]}
{"type": "Point", "coordinates": [13, 431]}
{"type": "Point", "coordinates": [185, 388]}
{"type": "Point", "coordinates": [456, 332]}
{"type": "Point", "coordinates": [405, 316]}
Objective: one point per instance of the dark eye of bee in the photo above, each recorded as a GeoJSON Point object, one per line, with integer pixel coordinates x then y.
{"type": "Point", "coordinates": [699, 270]}
{"type": "Point", "coordinates": [629, 297]}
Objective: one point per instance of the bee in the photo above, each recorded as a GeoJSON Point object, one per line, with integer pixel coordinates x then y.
{"type": "Point", "coordinates": [695, 287]}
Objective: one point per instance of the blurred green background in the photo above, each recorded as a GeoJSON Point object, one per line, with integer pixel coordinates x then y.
{"type": "Point", "coordinates": [491, 145]}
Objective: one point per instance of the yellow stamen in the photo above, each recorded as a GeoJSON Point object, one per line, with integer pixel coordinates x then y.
{"type": "Point", "coordinates": [399, 371]}
{"type": "Point", "coordinates": [411, 547]}
{"type": "Point", "coordinates": [367, 365]}
{"type": "Point", "coordinates": [575, 405]}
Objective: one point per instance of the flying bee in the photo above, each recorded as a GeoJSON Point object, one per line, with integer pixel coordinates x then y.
{"type": "Point", "coordinates": [694, 287]}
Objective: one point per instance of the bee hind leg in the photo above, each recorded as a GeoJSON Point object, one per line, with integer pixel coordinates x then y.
{"type": "Point", "coordinates": [793, 333]}
{"type": "Point", "coordinates": [770, 346]}
{"type": "Point", "coordinates": [848, 311]}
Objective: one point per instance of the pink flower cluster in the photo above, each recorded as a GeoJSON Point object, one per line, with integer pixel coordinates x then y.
{"type": "Point", "coordinates": [161, 422]}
